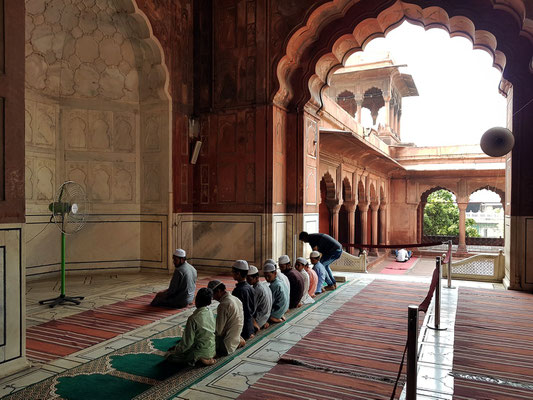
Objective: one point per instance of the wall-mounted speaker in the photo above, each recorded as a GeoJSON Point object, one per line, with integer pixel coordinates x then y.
{"type": "Point", "coordinates": [497, 142]}
{"type": "Point", "coordinates": [196, 151]}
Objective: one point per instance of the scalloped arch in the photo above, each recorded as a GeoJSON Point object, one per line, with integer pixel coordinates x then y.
{"type": "Point", "coordinates": [498, 191]}
{"type": "Point", "coordinates": [424, 196]}
{"type": "Point", "coordinates": [370, 28]}
{"type": "Point", "coordinates": [330, 186]}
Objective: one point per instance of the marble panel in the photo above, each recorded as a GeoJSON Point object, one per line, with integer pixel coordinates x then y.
{"type": "Point", "coordinates": [43, 125]}
{"type": "Point", "coordinates": [13, 314]}
{"type": "Point", "coordinates": [100, 127]}
{"type": "Point", "coordinates": [294, 333]}
{"type": "Point", "coordinates": [271, 351]}
{"type": "Point", "coordinates": [219, 239]}
{"type": "Point", "coordinates": [44, 170]}
{"type": "Point", "coordinates": [75, 128]}
{"type": "Point", "coordinates": [78, 172]}
{"type": "Point", "coordinates": [241, 376]}
{"type": "Point", "coordinates": [2, 296]}
{"type": "Point", "coordinates": [124, 182]}
{"type": "Point", "coordinates": [100, 182]}
{"type": "Point", "coordinates": [212, 236]}
{"type": "Point", "coordinates": [151, 132]}
{"type": "Point", "coordinates": [29, 178]}
{"type": "Point", "coordinates": [111, 240]}
{"type": "Point", "coordinates": [151, 183]}
{"type": "Point", "coordinates": [124, 134]}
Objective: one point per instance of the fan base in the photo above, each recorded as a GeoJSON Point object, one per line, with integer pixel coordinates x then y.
{"type": "Point", "coordinates": [61, 300]}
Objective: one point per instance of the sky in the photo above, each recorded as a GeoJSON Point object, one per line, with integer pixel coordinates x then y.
{"type": "Point", "coordinates": [457, 85]}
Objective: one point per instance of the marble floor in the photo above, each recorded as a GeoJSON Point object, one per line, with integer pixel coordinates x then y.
{"type": "Point", "coordinates": [233, 378]}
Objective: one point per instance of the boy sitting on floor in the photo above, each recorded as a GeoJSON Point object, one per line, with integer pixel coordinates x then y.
{"type": "Point", "coordinates": [198, 341]}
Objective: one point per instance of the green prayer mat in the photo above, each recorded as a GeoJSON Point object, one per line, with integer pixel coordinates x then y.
{"type": "Point", "coordinates": [138, 370]}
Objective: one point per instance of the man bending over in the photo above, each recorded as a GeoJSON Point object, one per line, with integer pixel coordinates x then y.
{"type": "Point", "coordinates": [331, 250]}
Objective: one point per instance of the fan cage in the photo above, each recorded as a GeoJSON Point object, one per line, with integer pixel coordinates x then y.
{"type": "Point", "coordinates": [70, 193]}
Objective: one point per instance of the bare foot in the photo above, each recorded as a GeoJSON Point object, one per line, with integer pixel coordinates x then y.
{"type": "Point", "coordinates": [299, 305]}
{"type": "Point", "coordinates": [266, 325]}
{"type": "Point", "coordinates": [207, 361]}
{"type": "Point", "coordinates": [242, 343]}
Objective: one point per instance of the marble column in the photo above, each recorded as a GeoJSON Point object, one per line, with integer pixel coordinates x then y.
{"type": "Point", "coordinates": [462, 227]}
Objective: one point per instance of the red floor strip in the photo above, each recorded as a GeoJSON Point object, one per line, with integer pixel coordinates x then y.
{"type": "Point", "coordinates": [65, 336]}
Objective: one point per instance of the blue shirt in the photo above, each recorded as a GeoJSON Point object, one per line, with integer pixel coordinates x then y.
{"type": "Point", "coordinates": [321, 274]}
{"type": "Point", "coordinates": [280, 298]}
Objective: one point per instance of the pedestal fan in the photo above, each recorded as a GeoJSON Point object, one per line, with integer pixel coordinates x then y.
{"type": "Point", "coordinates": [69, 212]}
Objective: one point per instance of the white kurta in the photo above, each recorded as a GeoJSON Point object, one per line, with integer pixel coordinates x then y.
{"type": "Point", "coordinates": [230, 320]}
{"type": "Point", "coordinates": [306, 299]}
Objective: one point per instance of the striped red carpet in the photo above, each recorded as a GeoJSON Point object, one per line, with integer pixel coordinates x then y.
{"type": "Point", "coordinates": [353, 354]}
{"type": "Point", "coordinates": [493, 349]}
{"type": "Point", "coordinates": [65, 336]}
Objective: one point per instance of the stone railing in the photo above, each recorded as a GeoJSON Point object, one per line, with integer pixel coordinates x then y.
{"type": "Point", "coordinates": [481, 267]}
{"type": "Point", "coordinates": [349, 263]}
{"type": "Point", "coordinates": [474, 241]}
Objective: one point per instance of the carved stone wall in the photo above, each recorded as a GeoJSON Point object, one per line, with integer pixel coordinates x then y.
{"type": "Point", "coordinates": [96, 114]}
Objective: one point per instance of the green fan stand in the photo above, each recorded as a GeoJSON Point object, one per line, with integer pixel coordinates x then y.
{"type": "Point", "coordinates": [62, 297]}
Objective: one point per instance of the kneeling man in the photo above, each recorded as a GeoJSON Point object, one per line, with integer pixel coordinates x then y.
{"type": "Point", "coordinates": [198, 340]}
{"type": "Point", "coordinates": [180, 292]}
{"type": "Point", "coordinates": [230, 319]}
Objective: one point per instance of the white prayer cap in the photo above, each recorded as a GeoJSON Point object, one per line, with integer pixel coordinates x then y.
{"type": "Point", "coordinates": [241, 264]}
{"type": "Point", "coordinates": [314, 254]}
{"type": "Point", "coordinates": [302, 260]}
{"type": "Point", "coordinates": [269, 267]}
{"type": "Point", "coordinates": [180, 253]}
{"type": "Point", "coordinates": [213, 284]}
{"type": "Point", "coordinates": [253, 270]}
{"type": "Point", "coordinates": [269, 261]}
{"type": "Point", "coordinates": [284, 259]}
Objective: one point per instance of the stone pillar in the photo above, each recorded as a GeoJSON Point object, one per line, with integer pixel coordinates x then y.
{"type": "Point", "coordinates": [363, 210]}
{"type": "Point", "coordinates": [420, 227]}
{"type": "Point", "coordinates": [350, 208]}
{"type": "Point", "coordinates": [399, 121]}
{"type": "Point", "coordinates": [374, 240]}
{"type": "Point", "coordinates": [375, 208]}
{"type": "Point", "coordinates": [359, 103]}
{"type": "Point", "coordinates": [387, 112]}
{"type": "Point", "coordinates": [383, 227]}
{"type": "Point", "coordinates": [334, 213]}
{"type": "Point", "coordinates": [462, 227]}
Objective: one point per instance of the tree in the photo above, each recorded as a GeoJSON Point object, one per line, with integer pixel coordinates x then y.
{"type": "Point", "coordinates": [441, 216]}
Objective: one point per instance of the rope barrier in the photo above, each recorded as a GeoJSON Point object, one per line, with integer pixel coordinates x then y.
{"type": "Point", "coordinates": [423, 307]}
{"type": "Point", "coordinates": [392, 246]}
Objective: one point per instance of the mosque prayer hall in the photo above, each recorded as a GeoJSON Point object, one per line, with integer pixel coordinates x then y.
{"type": "Point", "coordinates": [205, 200]}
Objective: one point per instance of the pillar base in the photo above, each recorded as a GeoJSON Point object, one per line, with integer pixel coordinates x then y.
{"type": "Point", "coordinates": [461, 249]}
{"type": "Point", "coordinates": [373, 253]}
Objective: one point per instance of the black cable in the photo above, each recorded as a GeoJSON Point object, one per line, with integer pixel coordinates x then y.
{"type": "Point", "coordinates": [399, 373]}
